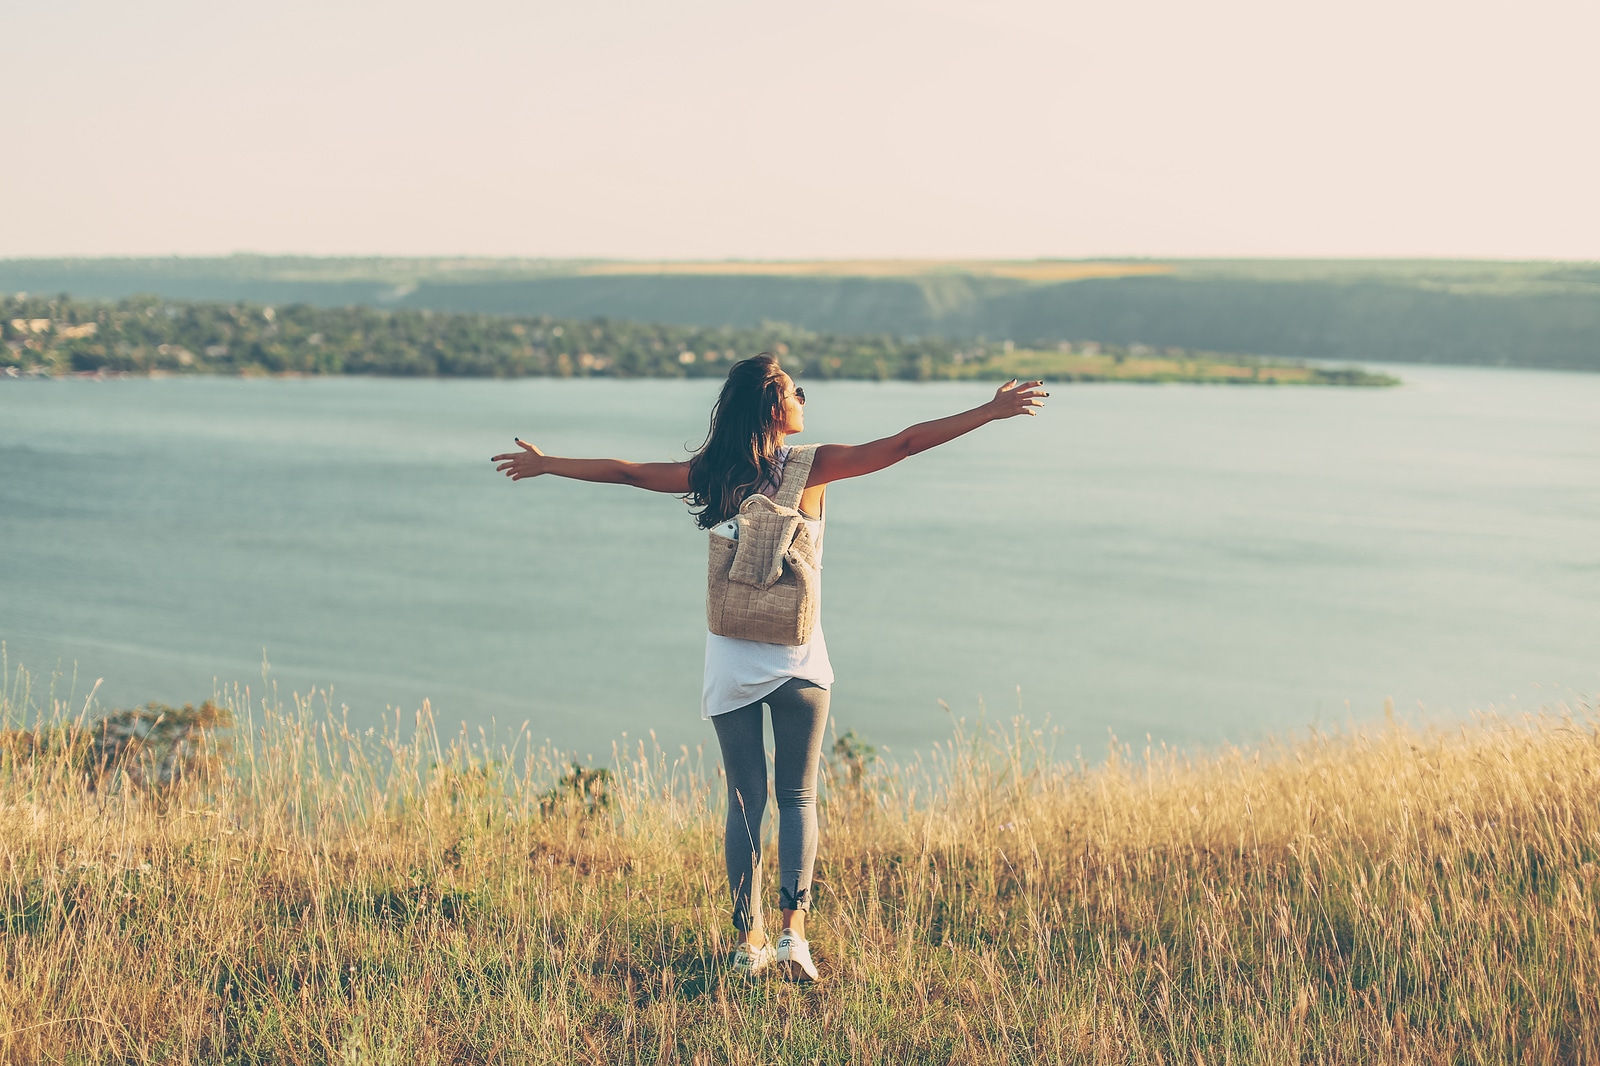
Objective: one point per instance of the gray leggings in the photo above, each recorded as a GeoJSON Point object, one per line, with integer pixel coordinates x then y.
{"type": "Point", "coordinates": [799, 711]}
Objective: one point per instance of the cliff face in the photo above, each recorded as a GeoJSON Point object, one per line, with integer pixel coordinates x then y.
{"type": "Point", "coordinates": [1308, 319]}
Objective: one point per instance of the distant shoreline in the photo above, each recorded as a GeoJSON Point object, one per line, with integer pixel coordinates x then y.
{"type": "Point", "coordinates": [151, 336]}
{"type": "Point", "coordinates": [1402, 311]}
{"type": "Point", "coordinates": [1359, 378]}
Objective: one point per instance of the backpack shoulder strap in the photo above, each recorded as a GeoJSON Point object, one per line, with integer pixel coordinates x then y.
{"type": "Point", "coordinates": [796, 469]}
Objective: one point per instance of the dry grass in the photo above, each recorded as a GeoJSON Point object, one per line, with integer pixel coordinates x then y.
{"type": "Point", "coordinates": [1397, 895]}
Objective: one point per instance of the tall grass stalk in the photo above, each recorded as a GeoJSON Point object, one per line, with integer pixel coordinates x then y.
{"type": "Point", "coordinates": [323, 894]}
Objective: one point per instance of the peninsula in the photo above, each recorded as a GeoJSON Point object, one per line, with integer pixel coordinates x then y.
{"type": "Point", "coordinates": [45, 336]}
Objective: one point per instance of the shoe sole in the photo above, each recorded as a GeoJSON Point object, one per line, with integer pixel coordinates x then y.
{"type": "Point", "coordinates": [795, 972]}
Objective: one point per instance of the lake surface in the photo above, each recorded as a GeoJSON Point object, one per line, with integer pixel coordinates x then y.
{"type": "Point", "coordinates": [1195, 563]}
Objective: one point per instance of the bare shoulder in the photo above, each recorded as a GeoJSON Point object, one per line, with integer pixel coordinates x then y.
{"type": "Point", "coordinates": [824, 462]}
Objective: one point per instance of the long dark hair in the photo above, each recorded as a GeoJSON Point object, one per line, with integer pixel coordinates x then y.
{"type": "Point", "coordinates": [741, 449]}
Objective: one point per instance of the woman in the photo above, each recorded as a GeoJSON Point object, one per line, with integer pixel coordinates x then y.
{"type": "Point", "coordinates": [745, 452]}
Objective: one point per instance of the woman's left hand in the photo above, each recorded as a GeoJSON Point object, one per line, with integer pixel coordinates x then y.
{"type": "Point", "coordinates": [529, 462]}
{"type": "Point", "coordinates": [1013, 399]}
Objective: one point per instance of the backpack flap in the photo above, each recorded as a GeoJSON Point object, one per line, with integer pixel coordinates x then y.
{"type": "Point", "coordinates": [768, 535]}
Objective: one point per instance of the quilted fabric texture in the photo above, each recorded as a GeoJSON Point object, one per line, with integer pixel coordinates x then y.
{"type": "Point", "coordinates": [768, 535]}
{"type": "Point", "coordinates": [783, 613]}
{"type": "Point", "coordinates": [765, 585]}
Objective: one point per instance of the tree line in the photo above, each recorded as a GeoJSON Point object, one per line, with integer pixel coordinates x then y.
{"type": "Point", "coordinates": [140, 335]}
{"type": "Point", "coordinates": [154, 335]}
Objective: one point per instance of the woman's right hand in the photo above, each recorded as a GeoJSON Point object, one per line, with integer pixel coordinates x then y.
{"type": "Point", "coordinates": [529, 462]}
{"type": "Point", "coordinates": [1014, 398]}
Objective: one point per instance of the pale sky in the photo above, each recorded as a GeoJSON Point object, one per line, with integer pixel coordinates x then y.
{"type": "Point", "coordinates": [708, 129]}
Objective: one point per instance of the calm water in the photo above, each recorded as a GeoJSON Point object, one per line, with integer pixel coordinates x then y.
{"type": "Point", "coordinates": [1196, 563]}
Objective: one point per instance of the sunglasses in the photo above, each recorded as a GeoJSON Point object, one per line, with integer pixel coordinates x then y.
{"type": "Point", "coordinates": [800, 395]}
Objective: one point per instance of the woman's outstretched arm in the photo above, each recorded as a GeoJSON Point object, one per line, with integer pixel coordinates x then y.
{"type": "Point", "coordinates": [531, 462]}
{"type": "Point", "coordinates": [834, 462]}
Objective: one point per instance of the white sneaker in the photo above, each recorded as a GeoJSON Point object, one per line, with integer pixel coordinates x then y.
{"type": "Point", "coordinates": [794, 958]}
{"type": "Point", "coordinates": [750, 961]}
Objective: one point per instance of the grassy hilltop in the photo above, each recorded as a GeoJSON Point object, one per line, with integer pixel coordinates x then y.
{"type": "Point", "coordinates": [1543, 314]}
{"type": "Point", "coordinates": [322, 895]}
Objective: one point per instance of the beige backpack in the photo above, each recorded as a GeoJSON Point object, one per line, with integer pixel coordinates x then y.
{"type": "Point", "coordinates": [766, 584]}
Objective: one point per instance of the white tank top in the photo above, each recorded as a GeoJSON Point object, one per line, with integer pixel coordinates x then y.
{"type": "Point", "coordinates": [740, 672]}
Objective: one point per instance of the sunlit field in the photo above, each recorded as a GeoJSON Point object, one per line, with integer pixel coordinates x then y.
{"type": "Point", "coordinates": [1042, 270]}
{"type": "Point", "coordinates": [287, 889]}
